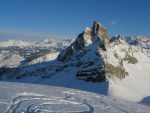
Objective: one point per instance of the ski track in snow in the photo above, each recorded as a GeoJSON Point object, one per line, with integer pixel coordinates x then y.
{"type": "Point", "coordinates": [27, 98]}
{"type": "Point", "coordinates": [41, 103]}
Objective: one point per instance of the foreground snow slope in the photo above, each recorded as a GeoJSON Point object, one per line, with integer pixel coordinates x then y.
{"type": "Point", "coordinates": [28, 98]}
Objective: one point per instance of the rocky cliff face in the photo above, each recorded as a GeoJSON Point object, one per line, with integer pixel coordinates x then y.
{"type": "Point", "coordinates": [83, 53]}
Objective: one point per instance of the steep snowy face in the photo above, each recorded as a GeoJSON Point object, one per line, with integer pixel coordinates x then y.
{"type": "Point", "coordinates": [45, 58]}
{"type": "Point", "coordinates": [124, 50]}
{"type": "Point", "coordinates": [127, 66]}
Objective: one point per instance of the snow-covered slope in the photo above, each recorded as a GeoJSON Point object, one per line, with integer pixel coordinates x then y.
{"type": "Point", "coordinates": [45, 58]}
{"type": "Point", "coordinates": [27, 98]}
{"type": "Point", "coordinates": [10, 60]}
{"type": "Point", "coordinates": [135, 60]}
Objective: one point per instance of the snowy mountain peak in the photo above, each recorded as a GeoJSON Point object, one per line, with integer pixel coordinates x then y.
{"type": "Point", "coordinates": [96, 32]}
{"type": "Point", "coordinates": [84, 53]}
{"type": "Point", "coordinates": [93, 37]}
{"type": "Point", "coordinates": [45, 42]}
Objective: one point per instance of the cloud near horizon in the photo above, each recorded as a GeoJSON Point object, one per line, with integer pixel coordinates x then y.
{"type": "Point", "coordinates": [113, 22]}
{"type": "Point", "coordinates": [27, 35]}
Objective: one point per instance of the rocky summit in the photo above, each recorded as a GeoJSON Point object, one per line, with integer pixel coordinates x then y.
{"type": "Point", "coordinates": [85, 55]}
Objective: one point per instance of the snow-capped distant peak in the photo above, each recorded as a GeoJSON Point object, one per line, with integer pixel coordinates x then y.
{"type": "Point", "coordinates": [15, 43]}
{"type": "Point", "coordinates": [42, 43]}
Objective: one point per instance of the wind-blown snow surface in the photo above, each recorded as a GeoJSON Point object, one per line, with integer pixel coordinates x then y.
{"type": "Point", "coordinates": [28, 98]}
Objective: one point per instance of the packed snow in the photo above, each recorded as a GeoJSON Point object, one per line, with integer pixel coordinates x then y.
{"type": "Point", "coordinates": [29, 98]}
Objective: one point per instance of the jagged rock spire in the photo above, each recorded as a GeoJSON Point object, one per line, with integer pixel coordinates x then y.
{"type": "Point", "coordinates": [99, 29]}
{"type": "Point", "coordinates": [95, 27]}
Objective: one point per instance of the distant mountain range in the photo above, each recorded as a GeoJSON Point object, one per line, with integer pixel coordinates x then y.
{"type": "Point", "coordinates": [13, 52]}
{"type": "Point", "coordinates": [117, 66]}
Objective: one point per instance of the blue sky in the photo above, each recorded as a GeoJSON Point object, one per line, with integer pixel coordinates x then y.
{"type": "Point", "coordinates": [39, 19]}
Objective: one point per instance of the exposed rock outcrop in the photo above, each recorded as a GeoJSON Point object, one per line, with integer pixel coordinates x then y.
{"type": "Point", "coordinates": [100, 30]}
